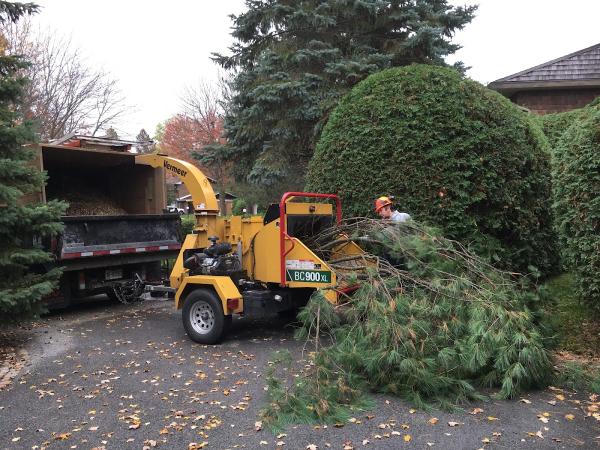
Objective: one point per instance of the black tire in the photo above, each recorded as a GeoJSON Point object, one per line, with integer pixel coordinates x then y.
{"type": "Point", "coordinates": [203, 317]}
{"type": "Point", "coordinates": [228, 323]}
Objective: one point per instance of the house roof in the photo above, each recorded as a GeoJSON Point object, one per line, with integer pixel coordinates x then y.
{"type": "Point", "coordinates": [578, 69]}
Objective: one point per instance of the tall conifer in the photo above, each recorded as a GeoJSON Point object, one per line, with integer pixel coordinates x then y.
{"type": "Point", "coordinates": [24, 278]}
{"type": "Point", "coordinates": [294, 60]}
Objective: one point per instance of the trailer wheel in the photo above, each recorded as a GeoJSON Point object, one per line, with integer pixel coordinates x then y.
{"type": "Point", "coordinates": [228, 323]}
{"type": "Point", "coordinates": [203, 317]}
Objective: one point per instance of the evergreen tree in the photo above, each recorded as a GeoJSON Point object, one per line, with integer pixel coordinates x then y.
{"type": "Point", "coordinates": [294, 60]}
{"type": "Point", "coordinates": [23, 280]}
{"type": "Point", "coordinates": [145, 143]}
{"type": "Point", "coordinates": [111, 133]}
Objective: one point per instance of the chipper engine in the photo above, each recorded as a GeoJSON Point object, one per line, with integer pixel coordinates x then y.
{"type": "Point", "coordinates": [249, 265]}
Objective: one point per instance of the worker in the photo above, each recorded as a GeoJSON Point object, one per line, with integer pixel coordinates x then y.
{"type": "Point", "coordinates": [383, 207]}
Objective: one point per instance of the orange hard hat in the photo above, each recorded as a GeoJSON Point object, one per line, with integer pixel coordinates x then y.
{"type": "Point", "coordinates": [382, 202]}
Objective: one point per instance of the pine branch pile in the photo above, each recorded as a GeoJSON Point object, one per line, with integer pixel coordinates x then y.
{"type": "Point", "coordinates": [429, 322]}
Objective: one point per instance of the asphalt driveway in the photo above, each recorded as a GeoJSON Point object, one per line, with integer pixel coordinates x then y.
{"type": "Point", "coordinates": [112, 376]}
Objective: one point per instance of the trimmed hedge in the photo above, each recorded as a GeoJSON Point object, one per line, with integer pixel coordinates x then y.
{"type": "Point", "coordinates": [577, 202]}
{"type": "Point", "coordinates": [554, 125]}
{"type": "Point", "coordinates": [456, 154]}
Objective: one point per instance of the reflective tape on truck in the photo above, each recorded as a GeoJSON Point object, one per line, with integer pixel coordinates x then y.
{"type": "Point", "coordinates": [154, 248]}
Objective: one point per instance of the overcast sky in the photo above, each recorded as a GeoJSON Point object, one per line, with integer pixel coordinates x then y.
{"type": "Point", "coordinates": [155, 49]}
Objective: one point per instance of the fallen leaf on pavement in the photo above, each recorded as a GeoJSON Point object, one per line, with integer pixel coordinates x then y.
{"type": "Point", "coordinates": [407, 438]}
{"type": "Point", "coordinates": [454, 424]}
{"type": "Point", "coordinates": [536, 434]}
{"type": "Point", "coordinates": [433, 420]}
{"type": "Point", "coordinates": [570, 417]}
{"type": "Point", "coordinates": [196, 446]}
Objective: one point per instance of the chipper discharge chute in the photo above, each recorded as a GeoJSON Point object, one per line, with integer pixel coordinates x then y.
{"type": "Point", "coordinates": [250, 265]}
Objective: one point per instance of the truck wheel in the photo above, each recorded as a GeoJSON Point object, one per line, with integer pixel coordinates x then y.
{"type": "Point", "coordinates": [203, 317]}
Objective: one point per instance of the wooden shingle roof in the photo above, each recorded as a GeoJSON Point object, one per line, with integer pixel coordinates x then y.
{"type": "Point", "coordinates": [578, 69]}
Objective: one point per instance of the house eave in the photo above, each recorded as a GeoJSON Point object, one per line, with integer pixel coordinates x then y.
{"type": "Point", "coordinates": [512, 87]}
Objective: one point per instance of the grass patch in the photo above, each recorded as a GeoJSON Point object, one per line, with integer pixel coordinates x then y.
{"type": "Point", "coordinates": [578, 377]}
{"type": "Point", "coordinates": [578, 331]}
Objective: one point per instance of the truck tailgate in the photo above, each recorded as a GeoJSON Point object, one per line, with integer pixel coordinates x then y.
{"type": "Point", "coordinates": [90, 236]}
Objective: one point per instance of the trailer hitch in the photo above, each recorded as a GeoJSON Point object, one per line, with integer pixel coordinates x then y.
{"type": "Point", "coordinates": [129, 291]}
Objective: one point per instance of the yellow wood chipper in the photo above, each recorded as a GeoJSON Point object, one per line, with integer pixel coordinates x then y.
{"type": "Point", "coordinates": [249, 265]}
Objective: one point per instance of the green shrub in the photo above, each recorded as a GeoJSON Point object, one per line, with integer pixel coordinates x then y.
{"type": "Point", "coordinates": [187, 224]}
{"type": "Point", "coordinates": [238, 207]}
{"type": "Point", "coordinates": [554, 125]}
{"type": "Point", "coordinates": [577, 203]}
{"type": "Point", "coordinates": [456, 154]}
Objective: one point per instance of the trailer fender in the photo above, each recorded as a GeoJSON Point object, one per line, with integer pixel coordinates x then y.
{"type": "Point", "coordinates": [225, 288]}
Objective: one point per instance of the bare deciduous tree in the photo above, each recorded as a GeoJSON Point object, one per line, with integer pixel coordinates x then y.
{"type": "Point", "coordinates": [203, 107]}
{"type": "Point", "coordinates": [202, 104]}
{"type": "Point", "coordinates": [65, 94]}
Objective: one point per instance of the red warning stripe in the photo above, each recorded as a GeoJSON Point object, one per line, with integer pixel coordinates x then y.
{"type": "Point", "coordinates": [154, 248]}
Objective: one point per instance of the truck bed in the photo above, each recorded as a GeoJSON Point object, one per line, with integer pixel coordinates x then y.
{"type": "Point", "coordinates": [101, 236]}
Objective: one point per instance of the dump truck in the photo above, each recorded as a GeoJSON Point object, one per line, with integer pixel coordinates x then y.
{"type": "Point", "coordinates": [116, 233]}
{"type": "Point", "coordinates": [255, 266]}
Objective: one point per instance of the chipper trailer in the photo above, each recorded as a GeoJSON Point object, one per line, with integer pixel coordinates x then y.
{"type": "Point", "coordinates": [249, 265]}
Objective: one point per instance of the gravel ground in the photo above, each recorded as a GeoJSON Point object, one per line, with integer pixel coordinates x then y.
{"type": "Point", "coordinates": [108, 376]}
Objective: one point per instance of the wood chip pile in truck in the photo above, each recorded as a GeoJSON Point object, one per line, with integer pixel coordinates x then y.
{"type": "Point", "coordinates": [116, 232]}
